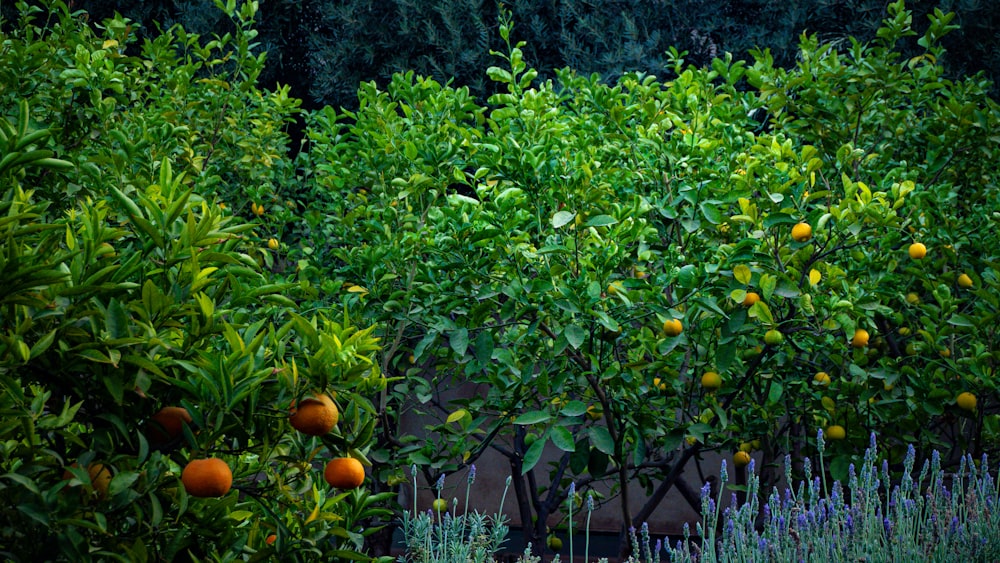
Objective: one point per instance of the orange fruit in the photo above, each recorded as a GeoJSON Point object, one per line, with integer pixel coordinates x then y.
{"type": "Point", "coordinates": [209, 477]}
{"type": "Point", "coordinates": [314, 416]}
{"type": "Point", "coordinates": [554, 543]}
{"type": "Point", "coordinates": [439, 505]}
{"type": "Point", "coordinates": [614, 288]}
{"type": "Point", "coordinates": [860, 339]}
{"type": "Point", "coordinates": [835, 432]}
{"type": "Point", "coordinates": [802, 232]}
{"type": "Point", "coordinates": [822, 378]}
{"type": "Point", "coordinates": [272, 243]}
{"type": "Point", "coordinates": [741, 459]}
{"type": "Point", "coordinates": [917, 251]}
{"type": "Point", "coordinates": [167, 424]}
{"type": "Point", "coordinates": [344, 473]}
{"type": "Point", "coordinates": [271, 539]}
{"type": "Point", "coordinates": [100, 477]}
{"type": "Point", "coordinates": [966, 401]}
{"type": "Point", "coordinates": [773, 337]}
{"type": "Point", "coordinates": [964, 281]}
{"type": "Point", "coordinates": [673, 327]}
{"type": "Point", "coordinates": [751, 298]}
{"type": "Point", "coordinates": [711, 381]}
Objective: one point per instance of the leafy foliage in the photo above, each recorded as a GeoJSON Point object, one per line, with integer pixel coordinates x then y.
{"type": "Point", "coordinates": [129, 286]}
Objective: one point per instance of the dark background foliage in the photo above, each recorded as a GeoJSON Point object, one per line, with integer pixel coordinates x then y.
{"type": "Point", "coordinates": [324, 48]}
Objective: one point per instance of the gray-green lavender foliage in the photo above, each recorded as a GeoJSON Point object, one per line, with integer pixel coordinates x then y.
{"type": "Point", "coordinates": [936, 516]}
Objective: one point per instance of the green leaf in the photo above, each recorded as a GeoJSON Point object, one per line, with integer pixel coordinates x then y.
{"type": "Point", "coordinates": [532, 417]}
{"type": "Point", "coordinates": [532, 456]}
{"type": "Point", "coordinates": [562, 217]}
{"type": "Point", "coordinates": [562, 438]}
{"type": "Point", "coordinates": [459, 341]}
{"type": "Point", "coordinates": [574, 335]}
{"type": "Point", "coordinates": [573, 408]}
{"type": "Point", "coordinates": [601, 439]}
{"type": "Point", "coordinates": [484, 346]}
{"type": "Point", "coordinates": [742, 273]}
{"type": "Point", "coordinates": [600, 221]}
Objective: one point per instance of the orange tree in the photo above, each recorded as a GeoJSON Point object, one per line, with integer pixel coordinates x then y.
{"type": "Point", "coordinates": [575, 246]}
{"type": "Point", "coordinates": [140, 326]}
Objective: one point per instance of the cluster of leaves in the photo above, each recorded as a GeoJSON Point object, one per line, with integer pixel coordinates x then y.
{"type": "Point", "coordinates": [131, 282]}
{"type": "Point", "coordinates": [532, 249]}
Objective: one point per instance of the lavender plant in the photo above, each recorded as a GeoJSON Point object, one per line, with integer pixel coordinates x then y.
{"type": "Point", "coordinates": [874, 520]}
{"type": "Point", "coordinates": [936, 517]}
{"type": "Point", "coordinates": [445, 536]}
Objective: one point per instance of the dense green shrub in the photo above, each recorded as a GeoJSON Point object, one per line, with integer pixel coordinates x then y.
{"type": "Point", "coordinates": [134, 278]}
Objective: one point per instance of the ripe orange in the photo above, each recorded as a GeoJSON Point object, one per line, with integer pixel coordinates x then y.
{"type": "Point", "coordinates": [802, 232]}
{"type": "Point", "coordinates": [209, 477]}
{"type": "Point", "coordinates": [673, 327]}
{"type": "Point", "coordinates": [344, 473]}
{"type": "Point", "coordinates": [964, 281]}
{"type": "Point", "coordinates": [966, 401]}
{"type": "Point", "coordinates": [314, 416]}
{"type": "Point", "coordinates": [741, 459]}
{"type": "Point", "coordinates": [167, 424]}
{"type": "Point", "coordinates": [917, 251]}
{"type": "Point", "coordinates": [711, 381]}
{"type": "Point", "coordinates": [835, 432]}
{"type": "Point", "coordinates": [100, 477]}
{"type": "Point", "coordinates": [773, 337]}
{"type": "Point", "coordinates": [822, 378]}
{"type": "Point", "coordinates": [860, 339]}
{"type": "Point", "coordinates": [751, 298]}
{"type": "Point", "coordinates": [271, 539]}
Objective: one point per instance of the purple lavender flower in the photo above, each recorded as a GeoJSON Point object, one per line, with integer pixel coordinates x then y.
{"type": "Point", "coordinates": [440, 482]}
{"type": "Point", "coordinates": [762, 544]}
{"type": "Point", "coordinates": [850, 524]}
{"type": "Point", "coordinates": [706, 490]}
{"type": "Point", "coordinates": [590, 502]}
{"type": "Point", "coordinates": [888, 527]}
{"type": "Point", "coordinates": [472, 473]}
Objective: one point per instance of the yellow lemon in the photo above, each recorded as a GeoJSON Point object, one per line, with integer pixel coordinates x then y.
{"type": "Point", "coordinates": [711, 381]}
{"type": "Point", "coordinates": [966, 401]}
{"type": "Point", "coordinates": [741, 459]}
{"type": "Point", "coordinates": [802, 232]}
{"type": "Point", "coordinates": [835, 432]}
{"type": "Point", "coordinates": [673, 327]}
{"type": "Point", "coordinates": [860, 339]}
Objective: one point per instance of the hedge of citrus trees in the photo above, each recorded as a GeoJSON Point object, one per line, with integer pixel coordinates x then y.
{"type": "Point", "coordinates": [148, 357]}
{"type": "Point", "coordinates": [632, 273]}
{"type": "Point", "coordinates": [725, 258]}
